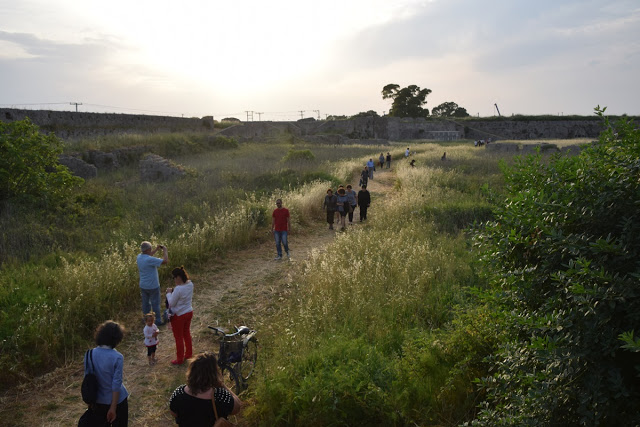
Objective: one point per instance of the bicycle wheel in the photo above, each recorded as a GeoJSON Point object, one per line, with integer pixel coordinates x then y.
{"type": "Point", "coordinates": [231, 380]}
{"type": "Point", "coordinates": [249, 357]}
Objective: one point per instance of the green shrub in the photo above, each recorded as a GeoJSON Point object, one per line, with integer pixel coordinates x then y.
{"type": "Point", "coordinates": [29, 167]}
{"type": "Point", "coordinates": [222, 142]}
{"type": "Point", "coordinates": [298, 155]}
{"type": "Point", "coordinates": [563, 255]}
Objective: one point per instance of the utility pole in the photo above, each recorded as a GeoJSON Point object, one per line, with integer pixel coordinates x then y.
{"type": "Point", "coordinates": [318, 112]}
{"type": "Point", "coordinates": [301, 114]}
{"type": "Point", "coordinates": [249, 114]}
{"type": "Point", "coordinates": [259, 116]}
{"type": "Point", "coordinates": [76, 104]}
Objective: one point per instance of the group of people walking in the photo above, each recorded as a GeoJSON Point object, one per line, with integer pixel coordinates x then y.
{"type": "Point", "coordinates": [203, 399]}
{"type": "Point", "coordinates": [344, 202]}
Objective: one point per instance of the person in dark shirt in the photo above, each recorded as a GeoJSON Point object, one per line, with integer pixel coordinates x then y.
{"type": "Point", "coordinates": [330, 206]}
{"type": "Point", "coordinates": [190, 403]}
{"type": "Point", "coordinates": [364, 200]}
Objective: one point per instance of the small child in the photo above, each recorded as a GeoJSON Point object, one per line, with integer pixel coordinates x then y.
{"type": "Point", "coordinates": [151, 332]}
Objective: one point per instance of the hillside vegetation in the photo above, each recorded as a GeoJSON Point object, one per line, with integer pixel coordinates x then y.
{"type": "Point", "coordinates": [485, 290]}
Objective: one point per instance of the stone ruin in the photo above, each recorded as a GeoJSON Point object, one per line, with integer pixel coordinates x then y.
{"type": "Point", "coordinates": [87, 165]}
{"type": "Point", "coordinates": [79, 167]}
{"type": "Point", "coordinates": [545, 148]}
{"type": "Point", "coordinates": [154, 168]}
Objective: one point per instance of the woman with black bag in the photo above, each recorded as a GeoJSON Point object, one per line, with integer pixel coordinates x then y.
{"type": "Point", "coordinates": [111, 407]}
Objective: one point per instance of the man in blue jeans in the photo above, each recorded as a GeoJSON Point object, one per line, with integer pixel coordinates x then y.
{"type": "Point", "coordinates": [280, 228]}
{"type": "Point", "coordinates": [149, 281]}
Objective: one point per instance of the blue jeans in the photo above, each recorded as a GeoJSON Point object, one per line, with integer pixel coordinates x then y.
{"type": "Point", "coordinates": [151, 300]}
{"type": "Point", "coordinates": [281, 237]}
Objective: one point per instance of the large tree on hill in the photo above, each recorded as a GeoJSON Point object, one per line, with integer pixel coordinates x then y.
{"type": "Point", "coordinates": [407, 101]}
{"type": "Point", "coordinates": [449, 109]}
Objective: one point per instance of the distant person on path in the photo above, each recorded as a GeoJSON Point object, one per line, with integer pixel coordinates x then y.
{"type": "Point", "coordinates": [340, 187]}
{"type": "Point", "coordinates": [364, 200]}
{"type": "Point", "coordinates": [381, 160]}
{"type": "Point", "coordinates": [280, 225]}
{"type": "Point", "coordinates": [444, 156]}
{"type": "Point", "coordinates": [353, 202]}
{"type": "Point", "coordinates": [343, 206]}
{"type": "Point", "coordinates": [406, 153]}
{"type": "Point", "coordinates": [329, 205]}
{"type": "Point", "coordinates": [149, 281]}
{"type": "Point", "coordinates": [371, 166]}
{"type": "Point", "coordinates": [151, 332]}
{"type": "Point", "coordinates": [364, 176]}
{"type": "Point", "coordinates": [180, 298]}
{"type": "Point", "coordinates": [191, 404]}
{"type": "Point", "coordinates": [112, 407]}
{"type": "Point", "coordinates": [388, 160]}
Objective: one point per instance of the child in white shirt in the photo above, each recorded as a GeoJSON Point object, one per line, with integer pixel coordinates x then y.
{"type": "Point", "coordinates": [151, 332]}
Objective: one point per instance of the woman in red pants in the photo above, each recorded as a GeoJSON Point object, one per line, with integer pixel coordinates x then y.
{"type": "Point", "coordinates": [179, 299]}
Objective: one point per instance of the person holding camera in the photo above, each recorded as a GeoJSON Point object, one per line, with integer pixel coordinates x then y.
{"type": "Point", "coordinates": [149, 282]}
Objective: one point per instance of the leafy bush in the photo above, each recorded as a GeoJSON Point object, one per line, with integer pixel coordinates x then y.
{"type": "Point", "coordinates": [223, 142]}
{"type": "Point", "coordinates": [299, 155]}
{"type": "Point", "coordinates": [563, 256]}
{"type": "Point", "coordinates": [29, 167]}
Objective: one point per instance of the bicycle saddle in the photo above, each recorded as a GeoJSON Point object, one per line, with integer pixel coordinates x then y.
{"type": "Point", "coordinates": [242, 330]}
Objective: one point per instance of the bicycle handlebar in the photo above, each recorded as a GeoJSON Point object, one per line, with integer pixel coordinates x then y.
{"type": "Point", "coordinates": [242, 330]}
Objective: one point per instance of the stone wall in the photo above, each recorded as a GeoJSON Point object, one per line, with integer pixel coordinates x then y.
{"type": "Point", "coordinates": [406, 129]}
{"type": "Point", "coordinates": [70, 125]}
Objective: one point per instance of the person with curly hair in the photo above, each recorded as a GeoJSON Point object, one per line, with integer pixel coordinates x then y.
{"type": "Point", "coordinates": [111, 407]}
{"type": "Point", "coordinates": [191, 403]}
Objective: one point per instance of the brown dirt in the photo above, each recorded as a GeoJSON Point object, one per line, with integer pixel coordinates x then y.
{"type": "Point", "coordinates": [241, 289]}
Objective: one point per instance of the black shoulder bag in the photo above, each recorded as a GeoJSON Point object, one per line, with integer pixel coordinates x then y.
{"type": "Point", "coordinates": [89, 387]}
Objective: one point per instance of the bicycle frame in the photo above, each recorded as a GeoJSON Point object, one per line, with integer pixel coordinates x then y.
{"type": "Point", "coordinates": [232, 353]}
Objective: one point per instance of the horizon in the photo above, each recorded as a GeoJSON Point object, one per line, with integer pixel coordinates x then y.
{"type": "Point", "coordinates": [287, 60]}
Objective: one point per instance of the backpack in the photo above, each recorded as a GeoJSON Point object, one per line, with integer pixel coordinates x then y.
{"type": "Point", "coordinates": [89, 388]}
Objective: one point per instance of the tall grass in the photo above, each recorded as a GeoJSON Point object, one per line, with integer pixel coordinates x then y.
{"type": "Point", "coordinates": [64, 269]}
{"type": "Point", "coordinates": [366, 339]}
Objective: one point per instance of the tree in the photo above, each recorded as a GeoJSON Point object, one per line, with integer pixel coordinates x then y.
{"type": "Point", "coordinates": [407, 102]}
{"type": "Point", "coordinates": [29, 167]}
{"type": "Point", "coordinates": [369, 113]}
{"type": "Point", "coordinates": [449, 109]}
{"type": "Point", "coordinates": [562, 255]}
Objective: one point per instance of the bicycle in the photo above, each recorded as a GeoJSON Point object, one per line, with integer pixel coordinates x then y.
{"type": "Point", "coordinates": [237, 356]}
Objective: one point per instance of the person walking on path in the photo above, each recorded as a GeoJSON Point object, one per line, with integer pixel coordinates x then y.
{"type": "Point", "coordinates": [329, 205]}
{"type": "Point", "coordinates": [149, 282]}
{"type": "Point", "coordinates": [371, 167]}
{"type": "Point", "coordinates": [106, 363]}
{"type": "Point", "coordinates": [364, 200]}
{"type": "Point", "coordinates": [364, 176]}
{"type": "Point", "coordinates": [280, 226]}
{"type": "Point", "coordinates": [353, 202]}
{"type": "Point", "coordinates": [180, 300]}
{"type": "Point", "coordinates": [381, 161]}
{"type": "Point", "coordinates": [388, 160]}
{"type": "Point", "coordinates": [406, 153]}
{"type": "Point", "coordinates": [343, 206]}
{"type": "Point", "coordinates": [151, 332]}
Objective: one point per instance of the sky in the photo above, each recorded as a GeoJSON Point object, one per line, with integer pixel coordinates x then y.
{"type": "Point", "coordinates": [292, 59]}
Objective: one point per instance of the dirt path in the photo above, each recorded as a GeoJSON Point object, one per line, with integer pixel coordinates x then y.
{"type": "Point", "coordinates": [241, 289]}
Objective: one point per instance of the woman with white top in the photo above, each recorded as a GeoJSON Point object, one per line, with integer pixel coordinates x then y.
{"type": "Point", "coordinates": [179, 299]}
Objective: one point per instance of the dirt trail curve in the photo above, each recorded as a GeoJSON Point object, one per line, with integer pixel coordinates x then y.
{"type": "Point", "coordinates": [239, 289]}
